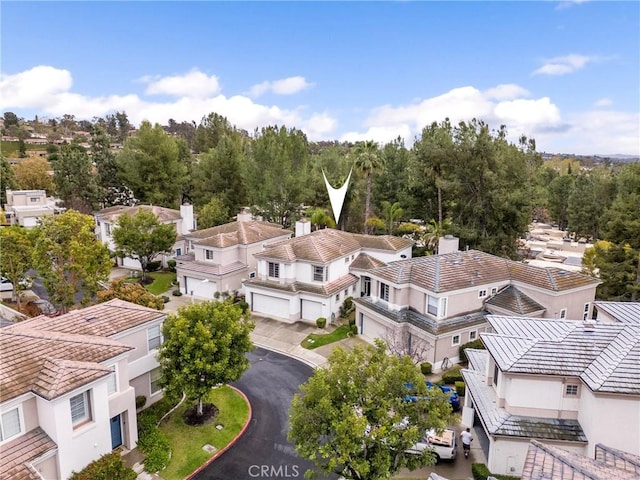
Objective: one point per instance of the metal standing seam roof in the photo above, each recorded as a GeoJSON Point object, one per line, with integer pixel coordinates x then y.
{"type": "Point", "coordinates": [606, 357]}
{"type": "Point", "coordinates": [237, 233]}
{"type": "Point", "coordinates": [16, 455]}
{"type": "Point", "coordinates": [625, 312]}
{"type": "Point", "coordinates": [548, 462]}
{"type": "Point", "coordinates": [502, 423]}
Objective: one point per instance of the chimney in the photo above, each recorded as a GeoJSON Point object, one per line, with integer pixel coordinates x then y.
{"type": "Point", "coordinates": [188, 221]}
{"type": "Point", "coordinates": [448, 244]}
{"type": "Point", "coordinates": [303, 227]}
{"type": "Point", "coordinates": [244, 215]}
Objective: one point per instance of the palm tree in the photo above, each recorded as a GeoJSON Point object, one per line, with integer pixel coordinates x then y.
{"type": "Point", "coordinates": [320, 218]}
{"type": "Point", "coordinates": [368, 160]}
{"type": "Point", "coordinates": [391, 212]}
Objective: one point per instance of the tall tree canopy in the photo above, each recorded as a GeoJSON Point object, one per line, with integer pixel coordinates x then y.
{"type": "Point", "coordinates": [351, 418]}
{"type": "Point", "coordinates": [7, 179]}
{"type": "Point", "coordinates": [74, 178]}
{"type": "Point", "coordinates": [111, 190]}
{"type": "Point", "coordinates": [368, 161]}
{"type": "Point", "coordinates": [33, 174]}
{"type": "Point", "coordinates": [15, 256]}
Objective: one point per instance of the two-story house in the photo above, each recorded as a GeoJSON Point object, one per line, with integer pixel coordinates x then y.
{"type": "Point", "coordinates": [569, 384]}
{"type": "Point", "coordinates": [310, 275]}
{"type": "Point", "coordinates": [27, 207]}
{"type": "Point", "coordinates": [442, 299]}
{"type": "Point", "coordinates": [68, 386]}
{"type": "Point", "coordinates": [218, 259]}
{"type": "Point", "coordinates": [107, 221]}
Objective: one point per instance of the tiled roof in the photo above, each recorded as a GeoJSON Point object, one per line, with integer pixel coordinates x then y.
{"type": "Point", "coordinates": [237, 233]}
{"type": "Point", "coordinates": [104, 319]}
{"type": "Point", "coordinates": [548, 462]}
{"type": "Point", "coordinates": [382, 242]}
{"type": "Point", "coordinates": [618, 458]}
{"type": "Point", "coordinates": [514, 301]}
{"type": "Point", "coordinates": [435, 327]}
{"type": "Point", "coordinates": [163, 214]}
{"type": "Point", "coordinates": [477, 359]}
{"type": "Point", "coordinates": [51, 363]}
{"type": "Point", "coordinates": [498, 421]}
{"type": "Point", "coordinates": [324, 289]}
{"type": "Point", "coordinates": [460, 270]}
{"type": "Point", "coordinates": [605, 356]}
{"type": "Point", "coordinates": [16, 455]}
{"type": "Point", "coordinates": [366, 262]}
{"type": "Point", "coordinates": [210, 268]}
{"type": "Point", "coordinates": [625, 312]}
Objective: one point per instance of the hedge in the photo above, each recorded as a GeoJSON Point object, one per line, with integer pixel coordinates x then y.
{"type": "Point", "coordinates": [460, 388]}
{"type": "Point", "coordinates": [321, 322]}
{"type": "Point", "coordinates": [426, 368]}
{"type": "Point", "coordinates": [481, 472]}
{"type": "Point", "coordinates": [452, 376]}
{"type": "Point", "coordinates": [107, 467]}
{"type": "Point", "coordinates": [477, 344]}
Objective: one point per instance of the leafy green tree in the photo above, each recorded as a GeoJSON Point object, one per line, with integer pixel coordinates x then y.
{"type": "Point", "coordinates": [69, 258]}
{"type": "Point", "coordinates": [616, 264]}
{"type": "Point", "coordinates": [350, 417]}
{"type": "Point", "coordinates": [150, 164]}
{"type": "Point", "coordinates": [142, 237]}
{"type": "Point", "coordinates": [211, 130]}
{"type": "Point", "coordinates": [15, 260]}
{"type": "Point", "coordinates": [213, 213]}
{"type": "Point", "coordinates": [368, 161]}
{"type": "Point", "coordinates": [7, 179]}
{"type": "Point", "coordinates": [74, 179]}
{"type": "Point", "coordinates": [591, 195]}
{"type": "Point", "coordinates": [391, 213]}
{"type": "Point", "coordinates": [111, 190]}
{"type": "Point", "coordinates": [390, 184]}
{"type": "Point", "coordinates": [205, 345]}
{"type": "Point", "coordinates": [560, 189]}
{"type": "Point", "coordinates": [320, 218]}
{"type": "Point", "coordinates": [33, 174]}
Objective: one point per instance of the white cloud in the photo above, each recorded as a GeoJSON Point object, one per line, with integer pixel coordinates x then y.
{"type": "Point", "coordinates": [33, 88]}
{"type": "Point", "coordinates": [564, 65]}
{"type": "Point", "coordinates": [285, 86]}
{"type": "Point", "coordinates": [603, 102]}
{"type": "Point", "coordinates": [506, 91]}
{"type": "Point", "coordinates": [564, 4]}
{"type": "Point", "coordinates": [192, 84]}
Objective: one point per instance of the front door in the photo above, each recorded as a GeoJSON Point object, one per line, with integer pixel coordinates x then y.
{"type": "Point", "coordinates": [116, 432]}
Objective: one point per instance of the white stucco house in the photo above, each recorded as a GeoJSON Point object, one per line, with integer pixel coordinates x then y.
{"type": "Point", "coordinates": [309, 276]}
{"type": "Point", "coordinates": [26, 207]}
{"type": "Point", "coordinates": [443, 299]}
{"type": "Point", "coordinates": [68, 386]}
{"type": "Point", "coordinates": [183, 219]}
{"type": "Point", "coordinates": [568, 384]}
{"type": "Point", "coordinates": [217, 260]}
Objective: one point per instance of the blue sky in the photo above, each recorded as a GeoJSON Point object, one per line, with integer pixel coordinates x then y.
{"type": "Point", "coordinates": [564, 73]}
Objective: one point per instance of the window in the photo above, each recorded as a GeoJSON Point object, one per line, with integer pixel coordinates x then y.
{"type": "Point", "coordinates": [495, 374]}
{"type": "Point", "coordinates": [252, 275]}
{"type": "Point", "coordinates": [473, 335]}
{"type": "Point", "coordinates": [154, 376]}
{"type": "Point", "coordinates": [482, 293]}
{"type": "Point", "coordinates": [34, 199]}
{"type": "Point", "coordinates": [80, 409]}
{"type": "Point", "coordinates": [563, 313]}
{"type": "Point", "coordinates": [274, 270]}
{"type": "Point", "coordinates": [455, 340]}
{"type": "Point", "coordinates": [178, 251]}
{"type": "Point", "coordinates": [432, 305]}
{"type": "Point", "coordinates": [346, 260]}
{"type": "Point", "coordinates": [494, 290]}
{"type": "Point", "coordinates": [208, 254]}
{"type": "Point", "coordinates": [112, 381]}
{"type": "Point", "coordinates": [10, 424]}
{"type": "Point", "coordinates": [571, 390]}
{"type": "Point", "coordinates": [337, 297]}
{"type": "Point", "coordinates": [107, 228]}
{"type": "Point", "coordinates": [585, 315]}
{"type": "Point", "coordinates": [366, 286]}
{"type": "Point", "coordinates": [346, 293]}
{"type": "Point", "coordinates": [384, 292]}
{"type": "Point", "coordinates": [154, 336]}
{"type": "Point", "coordinates": [318, 274]}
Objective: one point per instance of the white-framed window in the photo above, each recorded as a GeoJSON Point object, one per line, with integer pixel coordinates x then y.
{"type": "Point", "coordinates": [80, 408]}
{"type": "Point", "coordinates": [437, 306]}
{"type": "Point", "coordinates": [34, 199]}
{"type": "Point", "coordinates": [252, 275]}
{"type": "Point", "coordinates": [10, 423]}
{"type": "Point", "coordinates": [112, 381]}
{"type": "Point", "coordinates": [346, 260]}
{"type": "Point", "coordinates": [563, 313]}
{"type": "Point", "coordinates": [274, 270]}
{"type": "Point", "coordinates": [571, 390]}
{"type": "Point", "coordinates": [494, 290]}
{"type": "Point", "coordinates": [319, 273]}
{"type": "Point", "coordinates": [208, 254]}
{"type": "Point", "coordinates": [154, 376]}
{"type": "Point", "coordinates": [455, 340]}
{"type": "Point", "coordinates": [337, 297]}
{"type": "Point", "coordinates": [154, 337]}
{"type": "Point", "coordinates": [384, 292]}
{"type": "Point", "coordinates": [107, 228]}
{"type": "Point", "coordinates": [585, 315]}
{"type": "Point", "coordinates": [482, 293]}
{"type": "Point", "coordinates": [473, 334]}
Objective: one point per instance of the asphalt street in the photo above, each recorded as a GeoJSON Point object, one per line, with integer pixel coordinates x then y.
{"type": "Point", "coordinates": [263, 452]}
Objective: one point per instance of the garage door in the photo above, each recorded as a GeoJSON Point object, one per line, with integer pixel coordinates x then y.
{"type": "Point", "coordinates": [30, 221]}
{"type": "Point", "coordinates": [311, 310]}
{"type": "Point", "coordinates": [270, 306]}
{"type": "Point", "coordinates": [200, 288]}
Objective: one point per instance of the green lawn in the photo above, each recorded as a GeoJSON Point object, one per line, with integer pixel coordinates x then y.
{"type": "Point", "coordinates": [315, 340]}
{"type": "Point", "coordinates": [161, 282]}
{"type": "Point", "coordinates": [187, 442]}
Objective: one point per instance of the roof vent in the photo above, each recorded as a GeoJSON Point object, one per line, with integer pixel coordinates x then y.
{"type": "Point", "coordinates": [91, 319]}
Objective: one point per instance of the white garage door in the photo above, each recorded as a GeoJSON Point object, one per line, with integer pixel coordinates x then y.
{"type": "Point", "coordinates": [311, 310]}
{"type": "Point", "coordinates": [30, 221]}
{"type": "Point", "coordinates": [199, 288]}
{"type": "Point", "coordinates": [270, 306]}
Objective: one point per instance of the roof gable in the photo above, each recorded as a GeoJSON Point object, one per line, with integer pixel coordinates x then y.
{"type": "Point", "coordinates": [237, 233]}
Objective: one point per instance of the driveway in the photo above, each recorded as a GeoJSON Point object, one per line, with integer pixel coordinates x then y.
{"type": "Point", "coordinates": [263, 452]}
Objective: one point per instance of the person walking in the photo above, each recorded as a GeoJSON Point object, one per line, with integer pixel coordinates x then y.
{"type": "Point", "coordinates": [466, 438]}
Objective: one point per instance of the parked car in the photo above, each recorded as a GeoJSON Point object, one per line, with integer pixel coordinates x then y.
{"type": "Point", "coordinates": [7, 286]}
{"type": "Point", "coordinates": [454, 399]}
{"type": "Point", "coordinates": [444, 445]}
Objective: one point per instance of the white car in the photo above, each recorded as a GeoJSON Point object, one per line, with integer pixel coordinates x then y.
{"type": "Point", "coordinates": [444, 446]}
{"type": "Point", "coordinates": [7, 286]}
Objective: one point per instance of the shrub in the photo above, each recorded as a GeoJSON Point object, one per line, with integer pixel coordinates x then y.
{"type": "Point", "coordinates": [107, 467]}
{"type": "Point", "coordinates": [353, 330]}
{"type": "Point", "coordinates": [165, 299]}
{"type": "Point", "coordinates": [171, 265]}
{"type": "Point", "coordinates": [347, 307]}
{"type": "Point", "coordinates": [176, 293]}
{"type": "Point", "coordinates": [216, 295]}
{"type": "Point", "coordinates": [141, 401]}
{"type": "Point", "coordinates": [321, 322]}
{"type": "Point", "coordinates": [439, 383]}
{"type": "Point", "coordinates": [460, 388]}
{"type": "Point", "coordinates": [153, 266]}
{"type": "Point", "coordinates": [452, 376]}
{"type": "Point", "coordinates": [130, 292]}
{"type": "Point", "coordinates": [352, 321]}
{"type": "Point", "coordinates": [426, 368]}
{"type": "Point", "coordinates": [244, 306]}
{"type": "Point", "coordinates": [481, 472]}
{"type": "Point", "coordinates": [155, 446]}
{"type": "Point", "coordinates": [477, 343]}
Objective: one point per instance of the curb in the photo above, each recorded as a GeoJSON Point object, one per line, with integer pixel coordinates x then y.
{"type": "Point", "coordinates": [231, 443]}
{"type": "Point", "coordinates": [287, 354]}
